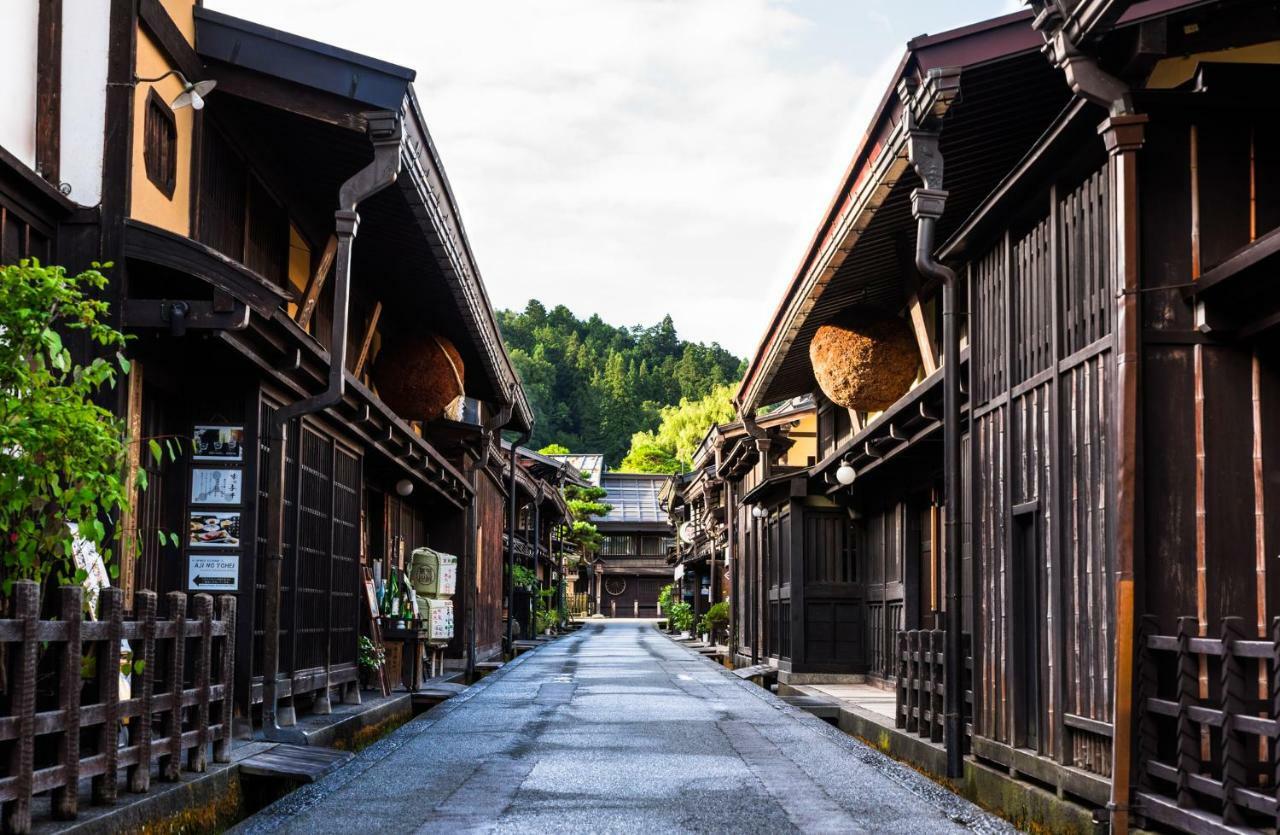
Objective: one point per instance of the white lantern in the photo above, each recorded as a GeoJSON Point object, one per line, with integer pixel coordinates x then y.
{"type": "Point", "coordinates": [845, 474]}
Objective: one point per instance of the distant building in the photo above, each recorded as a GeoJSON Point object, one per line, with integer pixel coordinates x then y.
{"type": "Point", "coordinates": [624, 578]}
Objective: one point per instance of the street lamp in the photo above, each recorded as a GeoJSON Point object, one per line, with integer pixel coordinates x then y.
{"type": "Point", "coordinates": [192, 94]}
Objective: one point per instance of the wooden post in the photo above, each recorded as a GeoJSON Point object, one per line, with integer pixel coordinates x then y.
{"type": "Point", "coordinates": [937, 685]}
{"type": "Point", "coordinates": [1234, 769]}
{"type": "Point", "coordinates": [198, 756]}
{"type": "Point", "coordinates": [171, 761]}
{"type": "Point", "coordinates": [65, 797]}
{"type": "Point", "coordinates": [111, 612]}
{"type": "Point", "coordinates": [1188, 691]}
{"type": "Point", "coordinates": [144, 610]}
{"type": "Point", "coordinates": [903, 684]}
{"type": "Point", "coordinates": [26, 601]}
{"type": "Point", "coordinates": [1275, 713]}
{"type": "Point", "coordinates": [226, 716]}
{"type": "Point", "coordinates": [1148, 686]}
{"type": "Point", "coordinates": [913, 681]}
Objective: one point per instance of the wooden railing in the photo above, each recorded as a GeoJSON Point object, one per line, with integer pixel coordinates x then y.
{"type": "Point", "coordinates": [63, 690]}
{"type": "Point", "coordinates": [1208, 725]}
{"type": "Point", "coordinates": [921, 682]}
{"type": "Point", "coordinates": [577, 604]}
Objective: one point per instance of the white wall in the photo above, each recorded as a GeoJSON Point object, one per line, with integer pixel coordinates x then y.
{"type": "Point", "coordinates": [85, 26]}
{"type": "Point", "coordinates": [18, 20]}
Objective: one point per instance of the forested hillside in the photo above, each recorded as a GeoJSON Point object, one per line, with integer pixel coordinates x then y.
{"type": "Point", "coordinates": [593, 385]}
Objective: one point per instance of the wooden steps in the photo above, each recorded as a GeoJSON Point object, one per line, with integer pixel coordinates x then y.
{"type": "Point", "coordinates": [300, 763]}
{"type": "Point", "coordinates": [432, 693]}
{"type": "Point", "coordinates": [761, 671]}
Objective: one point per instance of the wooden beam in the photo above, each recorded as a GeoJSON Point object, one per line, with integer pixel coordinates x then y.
{"type": "Point", "coordinates": [167, 35]}
{"type": "Point", "coordinates": [365, 343]}
{"type": "Point", "coordinates": [49, 89]}
{"type": "Point", "coordinates": [928, 351]}
{"type": "Point", "coordinates": [287, 96]}
{"type": "Point", "coordinates": [316, 284]}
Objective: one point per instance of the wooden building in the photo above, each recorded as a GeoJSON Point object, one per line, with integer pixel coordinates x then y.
{"type": "Point", "coordinates": [1108, 209]}
{"type": "Point", "coordinates": [722, 541]}
{"type": "Point", "coordinates": [539, 544]}
{"type": "Point", "coordinates": [631, 568]}
{"type": "Point", "coordinates": [247, 294]}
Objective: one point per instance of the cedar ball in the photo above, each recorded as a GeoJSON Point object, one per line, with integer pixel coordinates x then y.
{"type": "Point", "coordinates": [865, 362]}
{"type": "Point", "coordinates": [426, 377]}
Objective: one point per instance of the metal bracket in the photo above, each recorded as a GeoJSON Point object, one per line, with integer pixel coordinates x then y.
{"type": "Point", "coordinates": [181, 315]}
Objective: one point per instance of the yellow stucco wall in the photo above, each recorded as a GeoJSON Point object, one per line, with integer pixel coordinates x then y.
{"type": "Point", "coordinates": [805, 435]}
{"type": "Point", "coordinates": [147, 202]}
{"type": "Point", "coordinates": [1171, 72]}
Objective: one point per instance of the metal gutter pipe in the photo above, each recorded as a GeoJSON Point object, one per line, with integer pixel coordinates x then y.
{"type": "Point", "coordinates": [922, 207]}
{"type": "Point", "coordinates": [511, 543]}
{"type": "Point", "coordinates": [385, 132]}
{"type": "Point", "coordinates": [927, 205]}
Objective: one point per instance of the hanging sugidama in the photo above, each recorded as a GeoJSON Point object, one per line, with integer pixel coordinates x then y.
{"type": "Point", "coordinates": [864, 361]}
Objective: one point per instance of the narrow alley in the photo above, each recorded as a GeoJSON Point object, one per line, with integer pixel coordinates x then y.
{"type": "Point", "coordinates": [617, 728]}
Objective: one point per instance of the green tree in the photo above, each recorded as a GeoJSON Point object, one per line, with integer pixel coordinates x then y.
{"type": "Point", "coordinates": [593, 385]}
{"type": "Point", "coordinates": [62, 456]}
{"type": "Point", "coordinates": [670, 447]}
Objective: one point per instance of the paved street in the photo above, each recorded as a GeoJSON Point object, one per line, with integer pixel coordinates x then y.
{"type": "Point", "coordinates": [618, 729]}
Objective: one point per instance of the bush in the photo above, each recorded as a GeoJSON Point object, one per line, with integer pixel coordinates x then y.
{"type": "Point", "coordinates": [664, 598]}
{"type": "Point", "coordinates": [681, 616]}
{"type": "Point", "coordinates": [63, 462]}
{"type": "Point", "coordinates": [715, 619]}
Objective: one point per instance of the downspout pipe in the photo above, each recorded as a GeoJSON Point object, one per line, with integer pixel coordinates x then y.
{"type": "Point", "coordinates": [385, 132]}
{"type": "Point", "coordinates": [927, 205]}
{"type": "Point", "coordinates": [511, 542]}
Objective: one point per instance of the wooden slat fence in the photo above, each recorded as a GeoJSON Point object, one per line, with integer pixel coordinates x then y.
{"type": "Point", "coordinates": [1208, 757]}
{"type": "Point", "coordinates": [921, 683]}
{"type": "Point", "coordinates": [59, 726]}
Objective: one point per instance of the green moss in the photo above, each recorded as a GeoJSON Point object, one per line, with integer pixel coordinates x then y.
{"type": "Point", "coordinates": [214, 816]}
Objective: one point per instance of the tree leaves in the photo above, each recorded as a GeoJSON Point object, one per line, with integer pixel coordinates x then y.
{"type": "Point", "coordinates": [593, 385]}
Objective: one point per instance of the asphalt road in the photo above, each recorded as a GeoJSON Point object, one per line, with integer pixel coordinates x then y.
{"type": "Point", "coordinates": [618, 729]}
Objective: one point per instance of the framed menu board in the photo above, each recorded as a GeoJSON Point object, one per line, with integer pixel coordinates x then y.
{"type": "Point", "coordinates": [218, 443]}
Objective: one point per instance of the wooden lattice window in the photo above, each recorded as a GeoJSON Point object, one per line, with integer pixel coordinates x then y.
{"type": "Point", "coordinates": [160, 144]}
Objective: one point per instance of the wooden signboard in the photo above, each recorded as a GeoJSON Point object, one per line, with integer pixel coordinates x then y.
{"type": "Point", "coordinates": [371, 597]}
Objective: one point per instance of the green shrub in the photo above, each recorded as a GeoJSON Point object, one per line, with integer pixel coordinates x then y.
{"type": "Point", "coordinates": [681, 616]}
{"type": "Point", "coordinates": [63, 458]}
{"type": "Point", "coordinates": [714, 619]}
{"type": "Point", "coordinates": [665, 596]}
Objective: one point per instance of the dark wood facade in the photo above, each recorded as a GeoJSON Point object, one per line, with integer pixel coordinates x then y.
{"type": "Point", "coordinates": [221, 229]}
{"type": "Point", "coordinates": [1113, 242]}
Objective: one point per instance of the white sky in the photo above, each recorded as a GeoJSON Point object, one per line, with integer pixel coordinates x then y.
{"type": "Point", "coordinates": [637, 157]}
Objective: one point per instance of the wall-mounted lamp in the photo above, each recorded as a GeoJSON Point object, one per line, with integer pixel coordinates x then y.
{"type": "Point", "coordinates": [192, 94]}
{"type": "Point", "coordinates": [758, 512]}
{"type": "Point", "coordinates": [404, 487]}
{"type": "Point", "coordinates": [845, 474]}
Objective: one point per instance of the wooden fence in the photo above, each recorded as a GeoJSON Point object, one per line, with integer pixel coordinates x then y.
{"type": "Point", "coordinates": [62, 712]}
{"type": "Point", "coordinates": [921, 683]}
{"type": "Point", "coordinates": [1208, 724]}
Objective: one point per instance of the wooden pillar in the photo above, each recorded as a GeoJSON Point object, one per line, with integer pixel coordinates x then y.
{"type": "Point", "coordinates": [1123, 136]}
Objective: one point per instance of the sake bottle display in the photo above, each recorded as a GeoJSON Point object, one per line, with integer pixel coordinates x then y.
{"type": "Point", "coordinates": [406, 604]}
{"type": "Point", "coordinates": [393, 595]}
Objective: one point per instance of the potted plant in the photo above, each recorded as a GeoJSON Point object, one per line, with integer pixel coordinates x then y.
{"type": "Point", "coordinates": [681, 618]}
{"type": "Point", "coordinates": [713, 621]}
{"type": "Point", "coordinates": [371, 660]}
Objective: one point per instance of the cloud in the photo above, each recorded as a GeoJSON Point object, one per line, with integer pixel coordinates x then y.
{"type": "Point", "coordinates": [625, 157]}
